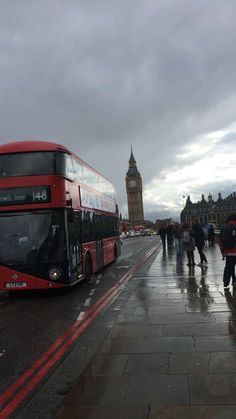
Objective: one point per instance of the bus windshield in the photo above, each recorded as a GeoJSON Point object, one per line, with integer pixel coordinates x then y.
{"type": "Point", "coordinates": [23, 164]}
{"type": "Point", "coordinates": [32, 237]}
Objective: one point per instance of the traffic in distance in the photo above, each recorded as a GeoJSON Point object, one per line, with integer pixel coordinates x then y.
{"type": "Point", "coordinates": [58, 217]}
{"type": "Point", "coordinates": [137, 233]}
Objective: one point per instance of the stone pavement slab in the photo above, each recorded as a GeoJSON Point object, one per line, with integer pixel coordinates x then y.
{"type": "Point", "coordinates": [136, 331]}
{"type": "Point", "coordinates": [99, 390]}
{"type": "Point", "coordinates": [222, 362]}
{"type": "Point", "coordinates": [213, 389]}
{"type": "Point", "coordinates": [199, 329]}
{"type": "Point", "coordinates": [161, 389]}
{"type": "Point", "coordinates": [188, 363]}
{"type": "Point", "coordinates": [96, 412]}
{"type": "Point", "coordinates": [147, 364]}
{"type": "Point", "coordinates": [193, 412]}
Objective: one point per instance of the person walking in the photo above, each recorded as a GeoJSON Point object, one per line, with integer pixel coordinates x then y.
{"type": "Point", "coordinates": [162, 233]}
{"type": "Point", "coordinates": [199, 237]}
{"type": "Point", "coordinates": [170, 235]}
{"type": "Point", "coordinates": [188, 244]}
{"type": "Point", "coordinates": [211, 235]}
{"type": "Point", "coordinates": [178, 238]}
{"type": "Point", "coordinates": [227, 242]}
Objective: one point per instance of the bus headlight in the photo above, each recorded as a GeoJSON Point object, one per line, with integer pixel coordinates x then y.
{"type": "Point", "coordinates": [55, 273]}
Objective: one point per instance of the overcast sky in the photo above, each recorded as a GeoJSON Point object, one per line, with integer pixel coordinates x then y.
{"type": "Point", "coordinates": [100, 75]}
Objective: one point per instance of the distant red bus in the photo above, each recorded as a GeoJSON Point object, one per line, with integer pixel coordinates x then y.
{"type": "Point", "coordinates": [58, 217]}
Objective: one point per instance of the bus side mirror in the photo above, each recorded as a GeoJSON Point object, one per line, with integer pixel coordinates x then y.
{"type": "Point", "coordinates": [70, 215]}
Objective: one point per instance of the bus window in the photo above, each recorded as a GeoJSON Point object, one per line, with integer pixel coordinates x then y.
{"type": "Point", "coordinates": [26, 164]}
{"type": "Point", "coordinates": [65, 165]}
{"type": "Point", "coordinates": [87, 226]}
{"type": "Point", "coordinates": [32, 237]}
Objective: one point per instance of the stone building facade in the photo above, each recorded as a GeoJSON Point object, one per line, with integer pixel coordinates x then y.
{"type": "Point", "coordinates": [134, 193]}
{"type": "Point", "coordinates": [209, 211]}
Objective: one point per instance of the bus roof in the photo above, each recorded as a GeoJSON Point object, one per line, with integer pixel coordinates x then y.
{"type": "Point", "coordinates": [36, 145]}
{"type": "Point", "coordinates": [24, 146]}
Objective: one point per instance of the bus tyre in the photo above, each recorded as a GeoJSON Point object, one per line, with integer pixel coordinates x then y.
{"type": "Point", "coordinates": [88, 269]}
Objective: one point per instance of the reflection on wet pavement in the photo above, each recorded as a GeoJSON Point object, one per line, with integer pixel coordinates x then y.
{"type": "Point", "coordinates": [171, 352]}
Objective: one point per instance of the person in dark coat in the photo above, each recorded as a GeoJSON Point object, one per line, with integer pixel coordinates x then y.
{"type": "Point", "coordinates": [199, 237]}
{"type": "Point", "coordinates": [170, 235]}
{"type": "Point", "coordinates": [228, 251]}
{"type": "Point", "coordinates": [162, 233]}
{"type": "Point", "coordinates": [211, 235]}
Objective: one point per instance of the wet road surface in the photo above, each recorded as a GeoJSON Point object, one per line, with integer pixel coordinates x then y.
{"type": "Point", "coordinates": [170, 352]}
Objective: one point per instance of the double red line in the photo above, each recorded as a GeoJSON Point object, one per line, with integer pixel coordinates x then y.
{"type": "Point", "coordinates": [18, 391]}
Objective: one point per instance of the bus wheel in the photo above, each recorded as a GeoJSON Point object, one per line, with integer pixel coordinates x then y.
{"type": "Point", "coordinates": [88, 269]}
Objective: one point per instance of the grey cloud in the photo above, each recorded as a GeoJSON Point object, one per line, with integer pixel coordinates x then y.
{"type": "Point", "coordinates": [228, 140]}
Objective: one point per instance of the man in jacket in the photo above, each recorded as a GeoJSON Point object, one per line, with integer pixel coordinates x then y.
{"type": "Point", "coordinates": [227, 242]}
{"type": "Point", "coordinates": [199, 237]}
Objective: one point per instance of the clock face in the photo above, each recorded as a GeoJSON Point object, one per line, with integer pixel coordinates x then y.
{"type": "Point", "coordinates": [132, 183]}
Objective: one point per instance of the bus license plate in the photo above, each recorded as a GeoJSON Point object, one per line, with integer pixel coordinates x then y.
{"type": "Point", "coordinates": [16, 284]}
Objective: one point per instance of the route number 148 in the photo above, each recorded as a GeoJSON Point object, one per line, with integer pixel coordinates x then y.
{"type": "Point", "coordinates": [40, 196]}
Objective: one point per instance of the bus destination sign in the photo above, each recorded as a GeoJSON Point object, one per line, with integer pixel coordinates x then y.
{"type": "Point", "coordinates": [25, 195]}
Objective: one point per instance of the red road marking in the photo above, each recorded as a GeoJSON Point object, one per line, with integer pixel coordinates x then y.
{"type": "Point", "coordinates": [63, 345]}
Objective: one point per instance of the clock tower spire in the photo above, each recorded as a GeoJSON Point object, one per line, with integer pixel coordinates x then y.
{"type": "Point", "coordinates": [134, 192]}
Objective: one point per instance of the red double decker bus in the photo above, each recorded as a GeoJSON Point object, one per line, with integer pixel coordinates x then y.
{"type": "Point", "coordinates": [58, 217]}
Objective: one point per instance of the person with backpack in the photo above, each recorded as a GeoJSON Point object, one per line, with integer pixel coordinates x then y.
{"type": "Point", "coordinates": [188, 244]}
{"type": "Point", "coordinates": [227, 242]}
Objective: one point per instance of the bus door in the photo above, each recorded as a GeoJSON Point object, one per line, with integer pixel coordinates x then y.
{"type": "Point", "coordinates": [99, 252]}
{"type": "Point", "coordinates": [74, 244]}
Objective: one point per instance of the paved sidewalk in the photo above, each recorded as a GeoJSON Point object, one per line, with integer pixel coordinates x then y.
{"type": "Point", "coordinates": [169, 351]}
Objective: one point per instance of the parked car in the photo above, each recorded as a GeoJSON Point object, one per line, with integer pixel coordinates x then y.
{"type": "Point", "coordinates": [146, 232]}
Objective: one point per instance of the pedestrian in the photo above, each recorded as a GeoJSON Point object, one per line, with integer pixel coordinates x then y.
{"type": "Point", "coordinates": [188, 244]}
{"type": "Point", "coordinates": [211, 235]}
{"type": "Point", "coordinates": [205, 229]}
{"type": "Point", "coordinates": [178, 238]}
{"type": "Point", "coordinates": [170, 235]}
{"type": "Point", "coordinates": [227, 242]}
{"type": "Point", "coordinates": [162, 234]}
{"type": "Point", "coordinates": [199, 237]}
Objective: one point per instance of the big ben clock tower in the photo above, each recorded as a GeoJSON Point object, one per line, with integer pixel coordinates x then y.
{"type": "Point", "coordinates": [134, 192]}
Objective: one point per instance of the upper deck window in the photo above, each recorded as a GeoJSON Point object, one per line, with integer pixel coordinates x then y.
{"type": "Point", "coordinates": [24, 164]}
{"type": "Point", "coordinates": [65, 165]}
{"type": "Point", "coordinates": [73, 169]}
